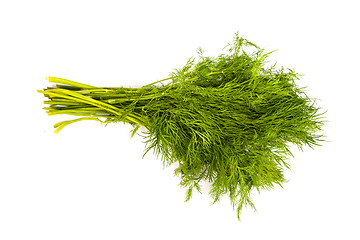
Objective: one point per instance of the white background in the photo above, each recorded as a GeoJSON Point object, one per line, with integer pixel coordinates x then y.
{"type": "Point", "coordinates": [91, 182]}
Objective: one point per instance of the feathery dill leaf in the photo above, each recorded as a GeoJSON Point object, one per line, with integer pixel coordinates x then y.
{"type": "Point", "coordinates": [228, 120]}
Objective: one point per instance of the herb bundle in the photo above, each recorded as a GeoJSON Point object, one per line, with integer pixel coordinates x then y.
{"type": "Point", "coordinates": [228, 120]}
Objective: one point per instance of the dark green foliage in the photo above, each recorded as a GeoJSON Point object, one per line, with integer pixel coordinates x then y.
{"type": "Point", "coordinates": [228, 120]}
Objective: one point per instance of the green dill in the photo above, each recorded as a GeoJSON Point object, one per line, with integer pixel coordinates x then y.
{"type": "Point", "coordinates": [228, 120]}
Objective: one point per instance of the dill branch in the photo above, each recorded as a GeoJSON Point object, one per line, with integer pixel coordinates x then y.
{"type": "Point", "coordinates": [228, 120]}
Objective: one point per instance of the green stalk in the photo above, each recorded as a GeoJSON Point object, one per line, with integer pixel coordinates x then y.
{"type": "Point", "coordinates": [76, 97]}
{"type": "Point", "coordinates": [59, 126]}
{"type": "Point", "coordinates": [69, 82]}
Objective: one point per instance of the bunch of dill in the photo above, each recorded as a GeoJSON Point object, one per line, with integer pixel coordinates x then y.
{"type": "Point", "coordinates": [228, 120]}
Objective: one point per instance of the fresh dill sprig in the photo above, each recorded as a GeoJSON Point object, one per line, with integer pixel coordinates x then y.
{"type": "Point", "coordinates": [228, 120]}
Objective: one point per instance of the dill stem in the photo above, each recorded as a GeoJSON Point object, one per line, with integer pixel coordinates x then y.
{"type": "Point", "coordinates": [62, 102]}
{"type": "Point", "coordinates": [68, 82]}
{"type": "Point", "coordinates": [120, 100]}
{"type": "Point", "coordinates": [63, 93]}
{"type": "Point", "coordinates": [54, 111]}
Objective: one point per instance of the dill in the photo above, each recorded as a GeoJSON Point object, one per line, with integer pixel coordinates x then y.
{"type": "Point", "coordinates": [228, 120]}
